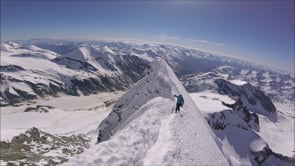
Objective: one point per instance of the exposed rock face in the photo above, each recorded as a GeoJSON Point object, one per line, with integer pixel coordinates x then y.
{"type": "Point", "coordinates": [10, 68]}
{"type": "Point", "coordinates": [243, 113]}
{"type": "Point", "coordinates": [39, 108]}
{"type": "Point", "coordinates": [35, 146]}
{"type": "Point", "coordinates": [241, 122]}
{"type": "Point", "coordinates": [248, 98]}
{"type": "Point", "coordinates": [239, 117]}
{"type": "Point", "coordinates": [266, 157]}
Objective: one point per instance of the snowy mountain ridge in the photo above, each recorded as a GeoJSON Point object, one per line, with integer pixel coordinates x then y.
{"type": "Point", "coordinates": [150, 87]}
{"type": "Point", "coordinates": [38, 68]}
{"type": "Point", "coordinates": [143, 130]}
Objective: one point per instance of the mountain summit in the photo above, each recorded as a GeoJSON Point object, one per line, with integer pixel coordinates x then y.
{"type": "Point", "coordinates": [143, 129]}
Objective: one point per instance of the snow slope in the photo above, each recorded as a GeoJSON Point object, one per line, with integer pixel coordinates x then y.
{"type": "Point", "coordinates": [241, 143]}
{"type": "Point", "coordinates": [142, 130]}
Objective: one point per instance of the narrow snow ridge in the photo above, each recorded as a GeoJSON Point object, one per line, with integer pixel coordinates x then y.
{"type": "Point", "coordinates": [78, 53]}
{"type": "Point", "coordinates": [156, 83]}
{"type": "Point", "coordinates": [142, 130]}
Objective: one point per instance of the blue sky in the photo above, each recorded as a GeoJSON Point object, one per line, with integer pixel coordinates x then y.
{"type": "Point", "coordinates": [260, 31]}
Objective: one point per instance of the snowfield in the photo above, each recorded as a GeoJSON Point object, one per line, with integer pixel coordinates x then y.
{"type": "Point", "coordinates": [71, 115]}
{"type": "Point", "coordinates": [210, 102]}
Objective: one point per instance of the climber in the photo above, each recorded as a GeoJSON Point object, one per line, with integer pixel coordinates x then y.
{"type": "Point", "coordinates": [179, 103]}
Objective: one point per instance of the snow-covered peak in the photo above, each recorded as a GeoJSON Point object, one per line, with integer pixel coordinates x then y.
{"type": "Point", "coordinates": [143, 130]}
{"type": "Point", "coordinates": [157, 82]}
{"type": "Point", "coordinates": [8, 46]}
{"type": "Point", "coordinates": [13, 44]}
{"type": "Point", "coordinates": [78, 53]}
{"type": "Point", "coordinates": [5, 47]}
{"type": "Point", "coordinates": [108, 50]}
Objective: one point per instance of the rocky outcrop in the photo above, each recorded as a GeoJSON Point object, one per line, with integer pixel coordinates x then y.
{"type": "Point", "coordinates": [39, 108]}
{"type": "Point", "coordinates": [238, 117]}
{"type": "Point", "coordinates": [267, 157]}
{"type": "Point", "coordinates": [10, 68]}
{"type": "Point", "coordinates": [248, 97]}
{"type": "Point", "coordinates": [238, 126]}
{"type": "Point", "coordinates": [249, 102]}
{"type": "Point", "coordinates": [35, 146]}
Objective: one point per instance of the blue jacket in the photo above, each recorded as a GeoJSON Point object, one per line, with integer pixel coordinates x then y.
{"type": "Point", "coordinates": [179, 100]}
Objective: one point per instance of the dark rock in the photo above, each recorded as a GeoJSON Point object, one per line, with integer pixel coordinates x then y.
{"type": "Point", "coordinates": [10, 68]}
{"type": "Point", "coordinates": [248, 98]}
{"type": "Point", "coordinates": [30, 147]}
{"type": "Point", "coordinates": [39, 108]}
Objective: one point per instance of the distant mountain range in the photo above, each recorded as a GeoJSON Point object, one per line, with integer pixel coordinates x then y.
{"type": "Point", "coordinates": [239, 123]}
{"type": "Point", "coordinates": [278, 86]}
{"type": "Point", "coordinates": [41, 68]}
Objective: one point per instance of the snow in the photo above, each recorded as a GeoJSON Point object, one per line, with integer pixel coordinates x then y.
{"type": "Point", "coordinates": [35, 64]}
{"type": "Point", "coordinates": [71, 115]}
{"type": "Point", "coordinates": [238, 82]}
{"type": "Point", "coordinates": [257, 145]}
{"type": "Point", "coordinates": [280, 135]}
{"type": "Point", "coordinates": [132, 142]}
{"type": "Point", "coordinates": [12, 91]}
{"type": "Point", "coordinates": [77, 53]}
{"type": "Point", "coordinates": [93, 55]}
{"type": "Point", "coordinates": [5, 47]}
{"type": "Point", "coordinates": [37, 70]}
{"type": "Point", "coordinates": [25, 52]}
{"type": "Point", "coordinates": [149, 133]}
{"type": "Point", "coordinates": [143, 56]}
{"type": "Point", "coordinates": [107, 49]}
{"type": "Point", "coordinates": [154, 138]}
{"type": "Point", "coordinates": [85, 51]}
{"type": "Point", "coordinates": [156, 153]}
{"type": "Point", "coordinates": [210, 102]}
{"type": "Point", "coordinates": [236, 143]}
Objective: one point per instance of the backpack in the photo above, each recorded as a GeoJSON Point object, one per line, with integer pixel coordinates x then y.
{"type": "Point", "coordinates": [181, 101]}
